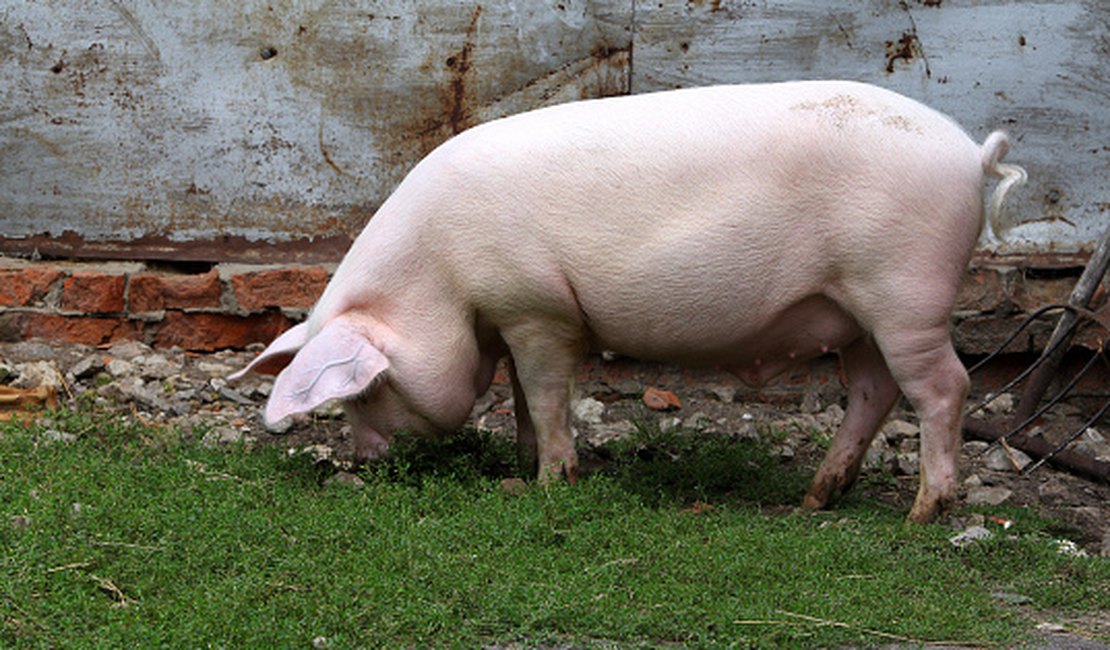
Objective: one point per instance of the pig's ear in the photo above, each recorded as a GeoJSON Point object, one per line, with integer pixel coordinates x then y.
{"type": "Point", "coordinates": [277, 354]}
{"type": "Point", "coordinates": [338, 362]}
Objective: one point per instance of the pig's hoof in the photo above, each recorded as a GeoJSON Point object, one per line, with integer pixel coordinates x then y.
{"type": "Point", "coordinates": [514, 487]}
{"type": "Point", "coordinates": [925, 511]}
{"type": "Point", "coordinates": [923, 515]}
{"type": "Point", "coordinates": [823, 493]}
{"type": "Point", "coordinates": [553, 471]}
{"type": "Point", "coordinates": [811, 502]}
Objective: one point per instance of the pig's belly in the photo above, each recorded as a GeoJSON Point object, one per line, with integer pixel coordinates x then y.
{"type": "Point", "coordinates": [754, 350]}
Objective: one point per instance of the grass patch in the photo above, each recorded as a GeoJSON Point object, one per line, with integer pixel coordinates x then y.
{"type": "Point", "coordinates": [131, 536]}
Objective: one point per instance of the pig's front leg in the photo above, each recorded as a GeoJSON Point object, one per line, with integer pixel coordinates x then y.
{"type": "Point", "coordinates": [368, 442]}
{"type": "Point", "coordinates": [871, 394]}
{"type": "Point", "coordinates": [545, 357]}
{"type": "Point", "coordinates": [369, 445]}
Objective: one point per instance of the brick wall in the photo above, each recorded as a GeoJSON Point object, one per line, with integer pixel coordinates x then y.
{"type": "Point", "coordinates": [227, 306]}
{"type": "Point", "coordinates": [234, 305]}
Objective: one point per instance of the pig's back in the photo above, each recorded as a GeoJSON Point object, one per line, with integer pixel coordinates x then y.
{"type": "Point", "coordinates": [703, 214]}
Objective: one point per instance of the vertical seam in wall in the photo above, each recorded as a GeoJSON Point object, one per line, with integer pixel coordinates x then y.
{"type": "Point", "coordinates": [632, 51]}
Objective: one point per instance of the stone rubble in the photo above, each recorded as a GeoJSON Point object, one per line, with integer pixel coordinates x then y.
{"type": "Point", "coordinates": [193, 388]}
{"type": "Point", "coordinates": [989, 495]}
{"type": "Point", "coordinates": [970, 535]}
{"type": "Point", "coordinates": [1006, 459]}
{"type": "Point", "coordinates": [1094, 444]}
{"type": "Point", "coordinates": [588, 410]}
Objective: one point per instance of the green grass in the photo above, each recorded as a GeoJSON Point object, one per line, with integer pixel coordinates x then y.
{"type": "Point", "coordinates": [176, 545]}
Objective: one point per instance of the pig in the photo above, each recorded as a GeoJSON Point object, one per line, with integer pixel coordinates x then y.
{"type": "Point", "coordinates": [746, 227]}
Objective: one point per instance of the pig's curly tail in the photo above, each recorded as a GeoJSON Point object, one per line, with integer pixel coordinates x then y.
{"type": "Point", "coordinates": [994, 149]}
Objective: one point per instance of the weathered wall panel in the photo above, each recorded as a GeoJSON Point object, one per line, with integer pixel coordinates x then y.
{"type": "Point", "coordinates": [271, 130]}
{"type": "Point", "coordinates": [212, 129]}
{"type": "Point", "coordinates": [1036, 69]}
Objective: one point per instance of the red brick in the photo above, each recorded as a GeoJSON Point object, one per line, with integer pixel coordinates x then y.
{"type": "Point", "coordinates": [298, 287]}
{"type": "Point", "coordinates": [87, 330]}
{"type": "Point", "coordinates": [208, 332]}
{"type": "Point", "coordinates": [93, 292]}
{"type": "Point", "coordinates": [155, 291]}
{"type": "Point", "coordinates": [1031, 294]}
{"type": "Point", "coordinates": [983, 289]}
{"type": "Point", "coordinates": [658, 399]}
{"type": "Point", "coordinates": [23, 287]}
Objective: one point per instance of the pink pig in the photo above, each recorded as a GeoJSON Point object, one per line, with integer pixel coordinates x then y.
{"type": "Point", "coordinates": [745, 227]}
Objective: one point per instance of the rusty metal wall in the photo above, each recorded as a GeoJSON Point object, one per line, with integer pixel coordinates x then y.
{"type": "Point", "coordinates": [1036, 68]}
{"type": "Point", "coordinates": [269, 131]}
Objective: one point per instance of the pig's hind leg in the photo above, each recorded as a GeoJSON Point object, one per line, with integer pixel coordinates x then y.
{"type": "Point", "coordinates": [912, 332]}
{"type": "Point", "coordinates": [526, 451]}
{"type": "Point", "coordinates": [931, 376]}
{"type": "Point", "coordinates": [871, 393]}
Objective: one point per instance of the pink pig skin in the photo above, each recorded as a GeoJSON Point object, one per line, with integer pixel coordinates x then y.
{"type": "Point", "coordinates": [747, 227]}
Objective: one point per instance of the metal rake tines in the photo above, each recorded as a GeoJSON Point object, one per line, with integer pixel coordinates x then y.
{"type": "Point", "coordinates": [1040, 374]}
{"type": "Point", "coordinates": [1032, 367]}
{"type": "Point", "coordinates": [1070, 439]}
{"type": "Point", "coordinates": [1044, 408]}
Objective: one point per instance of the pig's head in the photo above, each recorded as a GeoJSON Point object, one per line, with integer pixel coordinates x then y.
{"type": "Point", "coordinates": [349, 360]}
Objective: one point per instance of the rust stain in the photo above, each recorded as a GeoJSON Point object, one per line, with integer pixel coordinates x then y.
{"type": "Point", "coordinates": [81, 69]}
{"type": "Point", "coordinates": [324, 151]}
{"type": "Point", "coordinates": [605, 59]}
{"type": "Point", "coordinates": [904, 49]}
{"type": "Point", "coordinates": [908, 47]}
{"type": "Point", "coordinates": [333, 55]}
{"type": "Point", "coordinates": [26, 37]}
{"type": "Point", "coordinates": [1034, 260]}
{"type": "Point", "coordinates": [454, 112]}
{"type": "Point", "coordinates": [714, 5]}
{"type": "Point", "coordinates": [460, 64]}
{"type": "Point", "coordinates": [1054, 209]}
{"type": "Point", "coordinates": [304, 250]}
